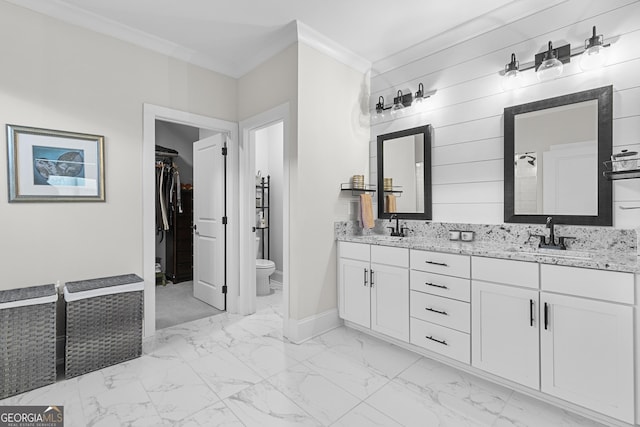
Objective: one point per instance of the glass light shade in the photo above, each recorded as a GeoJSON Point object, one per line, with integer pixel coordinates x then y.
{"type": "Point", "coordinates": [378, 115]}
{"type": "Point", "coordinates": [397, 109]}
{"type": "Point", "coordinates": [511, 80]}
{"type": "Point", "coordinates": [419, 104]}
{"type": "Point", "coordinates": [593, 58]}
{"type": "Point", "coordinates": [549, 69]}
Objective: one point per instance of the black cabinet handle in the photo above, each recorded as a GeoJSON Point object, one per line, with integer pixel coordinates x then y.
{"type": "Point", "coordinates": [371, 278]}
{"type": "Point", "coordinates": [365, 277]}
{"type": "Point", "coordinates": [436, 286]}
{"type": "Point", "coordinates": [531, 307]}
{"type": "Point", "coordinates": [437, 263]}
{"type": "Point", "coordinates": [444, 313]}
{"type": "Point", "coordinates": [443, 342]}
{"type": "Point", "coordinates": [546, 315]}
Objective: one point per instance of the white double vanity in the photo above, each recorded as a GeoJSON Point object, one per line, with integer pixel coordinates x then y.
{"type": "Point", "coordinates": [560, 327]}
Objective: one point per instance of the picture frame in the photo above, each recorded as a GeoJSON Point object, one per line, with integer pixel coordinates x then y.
{"type": "Point", "coordinates": [46, 165]}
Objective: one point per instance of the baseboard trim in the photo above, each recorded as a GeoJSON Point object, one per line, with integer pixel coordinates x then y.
{"type": "Point", "coordinates": [277, 277]}
{"type": "Point", "coordinates": [304, 329]}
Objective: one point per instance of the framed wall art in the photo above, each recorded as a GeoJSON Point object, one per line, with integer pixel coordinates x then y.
{"type": "Point", "coordinates": [54, 166]}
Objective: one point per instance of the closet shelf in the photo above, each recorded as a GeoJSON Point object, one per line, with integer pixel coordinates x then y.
{"type": "Point", "coordinates": [368, 188]}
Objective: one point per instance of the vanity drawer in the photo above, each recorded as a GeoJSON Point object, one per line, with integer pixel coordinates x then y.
{"type": "Point", "coordinates": [388, 255]}
{"type": "Point", "coordinates": [507, 271]}
{"type": "Point", "coordinates": [359, 251]}
{"type": "Point", "coordinates": [441, 263]}
{"type": "Point", "coordinates": [439, 339]}
{"type": "Point", "coordinates": [442, 311]}
{"type": "Point", "coordinates": [614, 286]}
{"type": "Point", "coordinates": [439, 284]}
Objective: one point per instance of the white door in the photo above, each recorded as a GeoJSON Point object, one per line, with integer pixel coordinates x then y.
{"type": "Point", "coordinates": [586, 352]}
{"type": "Point", "coordinates": [355, 294]}
{"type": "Point", "coordinates": [390, 300]}
{"type": "Point", "coordinates": [208, 210]}
{"type": "Point", "coordinates": [565, 168]}
{"type": "Point", "coordinates": [504, 332]}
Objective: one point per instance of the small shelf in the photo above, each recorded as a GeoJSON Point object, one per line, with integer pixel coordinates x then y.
{"type": "Point", "coordinates": [394, 190]}
{"type": "Point", "coordinates": [368, 188]}
{"type": "Point", "coordinates": [261, 228]}
{"type": "Point", "coordinates": [622, 171]}
{"type": "Point", "coordinates": [262, 207]}
{"type": "Point", "coordinates": [630, 174]}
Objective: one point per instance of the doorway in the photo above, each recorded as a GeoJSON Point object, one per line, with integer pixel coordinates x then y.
{"type": "Point", "coordinates": [207, 127]}
{"type": "Point", "coordinates": [249, 128]}
{"type": "Point", "coordinates": [269, 168]}
{"type": "Point", "coordinates": [178, 298]}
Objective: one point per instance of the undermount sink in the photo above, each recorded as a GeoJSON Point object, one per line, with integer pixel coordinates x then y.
{"type": "Point", "coordinates": [387, 238]}
{"type": "Point", "coordinates": [554, 253]}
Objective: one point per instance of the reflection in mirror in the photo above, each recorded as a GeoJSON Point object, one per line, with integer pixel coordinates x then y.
{"type": "Point", "coordinates": [404, 171]}
{"type": "Point", "coordinates": [552, 160]}
{"type": "Point", "coordinates": [558, 146]}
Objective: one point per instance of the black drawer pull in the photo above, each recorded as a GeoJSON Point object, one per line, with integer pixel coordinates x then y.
{"type": "Point", "coordinates": [436, 311]}
{"type": "Point", "coordinates": [437, 263]}
{"type": "Point", "coordinates": [531, 308]}
{"type": "Point", "coordinates": [443, 342]}
{"type": "Point", "coordinates": [436, 286]}
{"type": "Point", "coordinates": [546, 315]}
{"type": "Point", "coordinates": [365, 277]}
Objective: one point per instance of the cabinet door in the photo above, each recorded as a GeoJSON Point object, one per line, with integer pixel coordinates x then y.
{"type": "Point", "coordinates": [390, 301]}
{"type": "Point", "coordinates": [587, 353]}
{"type": "Point", "coordinates": [354, 291]}
{"type": "Point", "coordinates": [504, 332]}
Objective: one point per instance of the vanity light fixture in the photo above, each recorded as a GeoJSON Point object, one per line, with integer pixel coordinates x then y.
{"type": "Point", "coordinates": [418, 100]}
{"type": "Point", "coordinates": [398, 103]}
{"type": "Point", "coordinates": [379, 114]}
{"type": "Point", "coordinates": [402, 103]}
{"type": "Point", "coordinates": [550, 63]}
{"type": "Point", "coordinates": [594, 55]}
{"type": "Point", "coordinates": [512, 78]}
{"type": "Point", "coordinates": [551, 66]}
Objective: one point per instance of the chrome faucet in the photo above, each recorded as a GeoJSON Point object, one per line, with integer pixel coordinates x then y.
{"type": "Point", "coordinates": [397, 231]}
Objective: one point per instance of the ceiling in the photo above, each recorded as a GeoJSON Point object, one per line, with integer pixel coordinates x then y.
{"type": "Point", "coordinates": [233, 37]}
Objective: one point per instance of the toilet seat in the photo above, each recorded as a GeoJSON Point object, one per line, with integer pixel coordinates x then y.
{"type": "Point", "coordinates": [265, 263]}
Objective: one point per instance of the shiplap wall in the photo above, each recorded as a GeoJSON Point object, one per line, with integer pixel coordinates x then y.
{"type": "Point", "coordinates": [467, 110]}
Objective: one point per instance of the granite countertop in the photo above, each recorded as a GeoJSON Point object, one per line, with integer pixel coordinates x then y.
{"type": "Point", "coordinates": [601, 260]}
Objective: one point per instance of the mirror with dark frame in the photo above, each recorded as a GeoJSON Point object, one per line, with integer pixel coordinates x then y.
{"type": "Point", "coordinates": [404, 174]}
{"type": "Point", "coordinates": [554, 151]}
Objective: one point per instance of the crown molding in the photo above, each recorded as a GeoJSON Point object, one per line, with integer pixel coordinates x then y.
{"type": "Point", "coordinates": [291, 33]}
{"type": "Point", "coordinates": [278, 41]}
{"type": "Point", "coordinates": [79, 17]}
{"type": "Point", "coordinates": [329, 47]}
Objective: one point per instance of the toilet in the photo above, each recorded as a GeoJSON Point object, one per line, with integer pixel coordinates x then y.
{"type": "Point", "coordinates": [264, 269]}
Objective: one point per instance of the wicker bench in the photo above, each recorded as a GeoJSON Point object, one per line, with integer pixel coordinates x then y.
{"type": "Point", "coordinates": [104, 322]}
{"type": "Point", "coordinates": [27, 339]}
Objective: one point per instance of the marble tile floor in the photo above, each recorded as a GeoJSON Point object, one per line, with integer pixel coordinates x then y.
{"type": "Point", "coordinates": [229, 370]}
